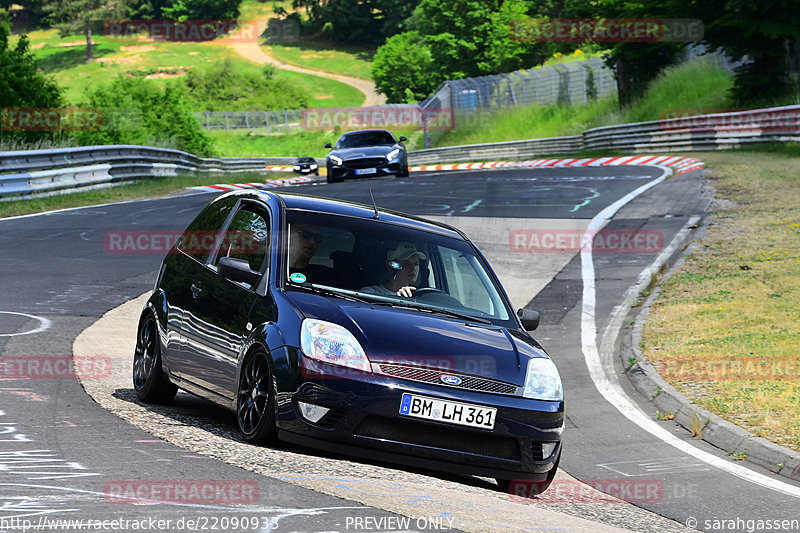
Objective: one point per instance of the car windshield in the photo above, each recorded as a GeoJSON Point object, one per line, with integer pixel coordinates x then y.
{"type": "Point", "coordinates": [370, 260]}
{"type": "Point", "coordinates": [305, 160]}
{"type": "Point", "coordinates": [367, 138]}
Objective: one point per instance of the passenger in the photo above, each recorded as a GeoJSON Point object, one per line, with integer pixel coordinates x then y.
{"type": "Point", "coordinates": [405, 272]}
{"type": "Point", "coordinates": [303, 242]}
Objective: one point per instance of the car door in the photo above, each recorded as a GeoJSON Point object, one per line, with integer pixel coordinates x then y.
{"type": "Point", "coordinates": [179, 271]}
{"type": "Point", "coordinates": [216, 324]}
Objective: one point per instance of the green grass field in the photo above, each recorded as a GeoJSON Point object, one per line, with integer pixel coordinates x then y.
{"type": "Point", "coordinates": [320, 54]}
{"type": "Point", "coordinates": [162, 62]}
{"type": "Point", "coordinates": [242, 143]}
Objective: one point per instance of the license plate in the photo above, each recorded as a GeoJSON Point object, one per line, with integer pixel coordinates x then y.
{"type": "Point", "coordinates": [462, 414]}
{"type": "Point", "coordinates": [362, 171]}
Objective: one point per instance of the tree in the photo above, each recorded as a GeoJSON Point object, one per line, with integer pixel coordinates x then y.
{"type": "Point", "coordinates": [22, 85]}
{"type": "Point", "coordinates": [74, 16]}
{"type": "Point", "coordinates": [366, 22]}
{"type": "Point", "coordinates": [202, 10]}
{"type": "Point", "coordinates": [148, 9]}
{"type": "Point", "coordinates": [763, 31]}
{"type": "Point", "coordinates": [472, 37]}
{"type": "Point", "coordinates": [403, 68]}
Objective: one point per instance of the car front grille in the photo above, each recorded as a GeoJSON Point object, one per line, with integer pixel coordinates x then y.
{"type": "Point", "coordinates": [434, 375]}
{"type": "Point", "coordinates": [441, 437]}
{"type": "Point", "coordinates": [366, 162]}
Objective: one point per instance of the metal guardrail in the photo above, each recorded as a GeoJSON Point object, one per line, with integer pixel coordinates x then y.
{"type": "Point", "coordinates": [716, 131]}
{"type": "Point", "coordinates": [40, 171]}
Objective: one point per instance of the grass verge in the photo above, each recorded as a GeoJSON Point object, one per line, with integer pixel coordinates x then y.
{"type": "Point", "coordinates": [726, 326]}
{"type": "Point", "coordinates": [696, 87]}
{"type": "Point", "coordinates": [141, 190]}
{"type": "Point", "coordinates": [242, 143]}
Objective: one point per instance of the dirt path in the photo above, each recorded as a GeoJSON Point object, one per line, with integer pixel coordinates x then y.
{"type": "Point", "coordinates": [252, 51]}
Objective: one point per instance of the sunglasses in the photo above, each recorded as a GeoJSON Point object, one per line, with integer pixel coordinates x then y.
{"type": "Point", "coordinates": [308, 235]}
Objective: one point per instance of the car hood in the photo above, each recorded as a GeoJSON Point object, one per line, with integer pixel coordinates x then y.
{"type": "Point", "coordinates": [363, 151]}
{"type": "Point", "coordinates": [408, 336]}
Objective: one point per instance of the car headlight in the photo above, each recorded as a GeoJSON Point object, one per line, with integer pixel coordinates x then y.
{"type": "Point", "coordinates": [336, 160]}
{"type": "Point", "coordinates": [394, 153]}
{"type": "Point", "coordinates": [542, 381]}
{"type": "Point", "coordinates": [313, 166]}
{"type": "Point", "coordinates": [331, 343]}
{"type": "Point", "coordinates": [296, 167]}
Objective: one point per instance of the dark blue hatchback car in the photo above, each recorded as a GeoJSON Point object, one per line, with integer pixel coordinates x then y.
{"type": "Point", "coordinates": [353, 329]}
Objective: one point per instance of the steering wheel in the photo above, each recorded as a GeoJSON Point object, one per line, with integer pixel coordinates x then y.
{"type": "Point", "coordinates": [428, 290]}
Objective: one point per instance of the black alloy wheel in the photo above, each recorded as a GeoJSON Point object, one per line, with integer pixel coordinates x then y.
{"type": "Point", "coordinates": [255, 402]}
{"type": "Point", "coordinates": [149, 381]}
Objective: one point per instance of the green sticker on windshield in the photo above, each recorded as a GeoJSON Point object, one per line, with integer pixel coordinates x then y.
{"type": "Point", "coordinates": [297, 277]}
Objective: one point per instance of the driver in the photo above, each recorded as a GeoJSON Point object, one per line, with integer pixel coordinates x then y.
{"type": "Point", "coordinates": [403, 263]}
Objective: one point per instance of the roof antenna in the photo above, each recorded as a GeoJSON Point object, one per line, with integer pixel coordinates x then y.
{"type": "Point", "coordinates": [374, 205]}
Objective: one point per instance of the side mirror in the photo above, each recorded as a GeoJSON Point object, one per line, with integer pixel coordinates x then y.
{"type": "Point", "coordinates": [529, 318]}
{"type": "Point", "coordinates": [328, 145]}
{"type": "Point", "coordinates": [402, 139]}
{"type": "Point", "coordinates": [237, 270]}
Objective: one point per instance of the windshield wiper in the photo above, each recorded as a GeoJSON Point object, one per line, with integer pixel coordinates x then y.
{"type": "Point", "coordinates": [319, 289]}
{"type": "Point", "coordinates": [437, 310]}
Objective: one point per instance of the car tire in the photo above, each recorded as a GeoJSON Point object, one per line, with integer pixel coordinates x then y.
{"type": "Point", "coordinates": [255, 400]}
{"type": "Point", "coordinates": [404, 172]}
{"type": "Point", "coordinates": [529, 488]}
{"type": "Point", "coordinates": [330, 178]}
{"type": "Point", "coordinates": [149, 381]}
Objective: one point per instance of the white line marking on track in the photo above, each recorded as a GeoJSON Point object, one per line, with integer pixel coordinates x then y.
{"type": "Point", "coordinates": [44, 324]}
{"type": "Point", "coordinates": [610, 388]}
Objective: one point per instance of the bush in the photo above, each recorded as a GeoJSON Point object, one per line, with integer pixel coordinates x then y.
{"type": "Point", "coordinates": [221, 87]}
{"type": "Point", "coordinates": [138, 112]}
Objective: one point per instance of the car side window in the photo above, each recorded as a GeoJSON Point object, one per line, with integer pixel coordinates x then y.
{"type": "Point", "coordinates": [198, 239]}
{"type": "Point", "coordinates": [246, 238]}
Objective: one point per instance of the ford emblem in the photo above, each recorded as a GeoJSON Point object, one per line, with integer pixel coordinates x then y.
{"type": "Point", "coordinates": [450, 380]}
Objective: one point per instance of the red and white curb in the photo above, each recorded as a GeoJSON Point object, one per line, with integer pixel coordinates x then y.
{"type": "Point", "coordinates": [679, 164]}
{"type": "Point", "coordinates": [270, 184]}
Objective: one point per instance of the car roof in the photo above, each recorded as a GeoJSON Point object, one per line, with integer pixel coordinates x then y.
{"type": "Point", "coordinates": [373, 130]}
{"type": "Point", "coordinates": [292, 200]}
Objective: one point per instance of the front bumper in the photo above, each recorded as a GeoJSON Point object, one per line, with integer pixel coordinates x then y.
{"type": "Point", "coordinates": [364, 421]}
{"type": "Point", "coordinates": [352, 169]}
